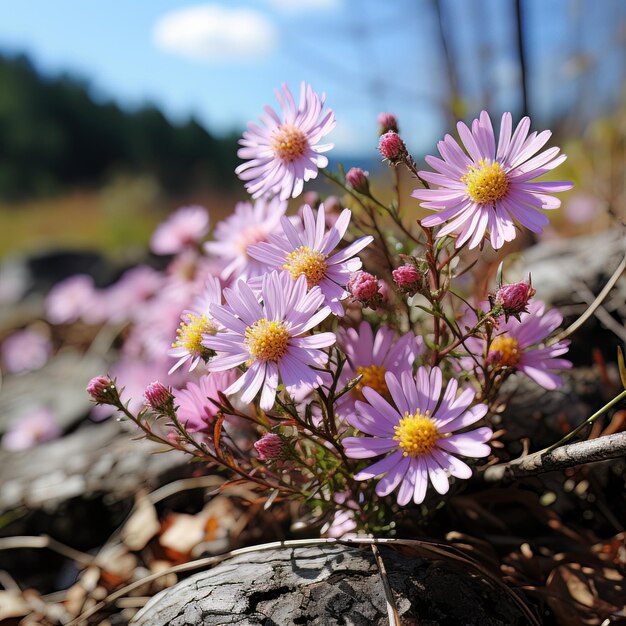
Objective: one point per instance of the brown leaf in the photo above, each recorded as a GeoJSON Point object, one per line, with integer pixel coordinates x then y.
{"type": "Point", "coordinates": [142, 525]}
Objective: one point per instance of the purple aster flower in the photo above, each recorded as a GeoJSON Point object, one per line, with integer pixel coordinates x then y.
{"type": "Point", "coordinates": [492, 189]}
{"type": "Point", "coordinates": [249, 224]}
{"type": "Point", "coordinates": [184, 228]}
{"type": "Point", "coordinates": [195, 409]}
{"type": "Point", "coordinates": [419, 432]}
{"type": "Point", "coordinates": [307, 250]}
{"type": "Point", "coordinates": [286, 151]}
{"type": "Point", "coordinates": [373, 355]}
{"type": "Point", "coordinates": [269, 337]}
{"type": "Point", "coordinates": [520, 345]}
{"type": "Point", "coordinates": [194, 327]}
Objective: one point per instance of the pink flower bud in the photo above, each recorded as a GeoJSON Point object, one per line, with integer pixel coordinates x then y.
{"type": "Point", "coordinates": [383, 291]}
{"type": "Point", "coordinates": [270, 447]}
{"type": "Point", "coordinates": [392, 147]}
{"type": "Point", "coordinates": [387, 122]}
{"type": "Point", "coordinates": [357, 179]}
{"type": "Point", "coordinates": [158, 396]}
{"type": "Point", "coordinates": [514, 298]}
{"type": "Point", "coordinates": [363, 288]}
{"type": "Point", "coordinates": [408, 278]}
{"type": "Point", "coordinates": [102, 390]}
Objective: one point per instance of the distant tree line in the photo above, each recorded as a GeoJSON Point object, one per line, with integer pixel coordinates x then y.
{"type": "Point", "coordinates": [54, 134]}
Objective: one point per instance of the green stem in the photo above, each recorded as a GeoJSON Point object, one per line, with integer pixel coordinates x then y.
{"type": "Point", "coordinates": [588, 421]}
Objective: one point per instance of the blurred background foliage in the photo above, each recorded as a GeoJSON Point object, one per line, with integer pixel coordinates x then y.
{"type": "Point", "coordinates": [79, 170]}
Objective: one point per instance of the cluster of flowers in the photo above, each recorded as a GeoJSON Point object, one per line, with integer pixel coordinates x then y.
{"type": "Point", "coordinates": [291, 365]}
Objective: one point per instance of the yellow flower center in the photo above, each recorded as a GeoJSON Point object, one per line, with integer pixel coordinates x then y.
{"type": "Point", "coordinates": [505, 351]}
{"type": "Point", "coordinates": [416, 434]}
{"type": "Point", "coordinates": [289, 143]}
{"type": "Point", "coordinates": [267, 341]}
{"type": "Point", "coordinates": [486, 182]}
{"type": "Point", "coordinates": [311, 263]}
{"type": "Point", "coordinates": [190, 333]}
{"type": "Point", "coordinates": [374, 377]}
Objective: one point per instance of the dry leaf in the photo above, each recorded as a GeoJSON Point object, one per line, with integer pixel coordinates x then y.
{"type": "Point", "coordinates": [142, 525]}
{"type": "Point", "coordinates": [117, 564]}
{"type": "Point", "coordinates": [12, 604]}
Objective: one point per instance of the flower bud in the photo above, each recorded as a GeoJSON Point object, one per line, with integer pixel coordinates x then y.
{"type": "Point", "coordinates": [158, 397]}
{"type": "Point", "coordinates": [408, 279]}
{"type": "Point", "coordinates": [513, 298]}
{"type": "Point", "coordinates": [270, 447]}
{"type": "Point", "coordinates": [387, 122]}
{"type": "Point", "coordinates": [364, 288]}
{"type": "Point", "coordinates": [102, 390]}
{"type": "Point", "coordinates": [392, 147]}
{"type": "Point", "coordinates": [357, 179]}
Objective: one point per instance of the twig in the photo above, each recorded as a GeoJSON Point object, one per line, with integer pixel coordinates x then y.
{"type": "Point", "coordinates": [601, 313]}
{"type": "Point", "coordinates": [594, 305]}
{"type": "Point", "coordinates": [392, 611]}
{"type": "Point", "coordinates": [600, 449]}
{"type": "Point", "coordinates": [43, 541]}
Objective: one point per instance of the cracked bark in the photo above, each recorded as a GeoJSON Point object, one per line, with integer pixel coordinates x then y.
{"type": "Point", "coordinates": [330, 586]}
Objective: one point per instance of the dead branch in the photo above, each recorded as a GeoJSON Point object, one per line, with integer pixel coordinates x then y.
{"type": "Point", "coordinates": [600, 449]}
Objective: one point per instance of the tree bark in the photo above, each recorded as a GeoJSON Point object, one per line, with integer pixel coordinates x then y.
{"type": "Point", "coordinates": [328, 586]}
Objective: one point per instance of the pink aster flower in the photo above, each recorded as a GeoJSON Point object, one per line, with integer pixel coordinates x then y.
{"type": "Point", "coordinates": [490, 188]}
{"type": "Point", "coordinates": [184, 228]}
{"type": "Point", "coordinates": [372, 355]}
{"type": "Point", "coordinates": [25, 350]}
{"type": "Point", "coordinates": [520, 345]}
{"type": "Point", "coordinates": [195, 409]}
{"type": "Point", "coordinates": [286, 151]}
{"type": "Point", "coordinates": [36, 427]}
{"type": "Point", "coordinates": [307, 250]}
{"type": "Point", "coordinates": [72, 299]}
{"type": "Point", "coordinates": [133, 288]}
{"type": "Point", "coordinates": [194, 327]}
{"type": "Point", "coordinates": [249, 224]}
{"type": "Point", "coordinates": [270, 337]}
{"type": "Point", "coordinates": [419, 432]}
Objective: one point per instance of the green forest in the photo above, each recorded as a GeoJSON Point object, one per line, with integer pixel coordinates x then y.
{"type": "Point", "coordinates": [55, 135]}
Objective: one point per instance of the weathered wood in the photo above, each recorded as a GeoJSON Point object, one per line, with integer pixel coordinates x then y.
{"type": "Point", "coordinates": [327, 586]}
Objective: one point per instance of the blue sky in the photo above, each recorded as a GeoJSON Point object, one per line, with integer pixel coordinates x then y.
{"type": "Point", "coordinates": [221, 60]}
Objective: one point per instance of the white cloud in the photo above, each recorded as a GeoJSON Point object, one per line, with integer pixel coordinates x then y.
{"type": "Point", "coordinates": [213, 33]}
{"type": "Point", "coordinates": [293, 6]}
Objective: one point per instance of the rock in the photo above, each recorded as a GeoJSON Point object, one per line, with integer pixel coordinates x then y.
{"type": "Point", "coordinates": [95, 459]}
{"type": "Point", "coordinates": [327, 585]}
{"type": "Point", "coordinates": [558, 265]}
{"type": "Point", "coordinates": [59, 385]}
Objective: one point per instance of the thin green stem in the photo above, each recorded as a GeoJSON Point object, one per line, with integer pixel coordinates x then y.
{"type": "Point", "coordinates": [588, 421]}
